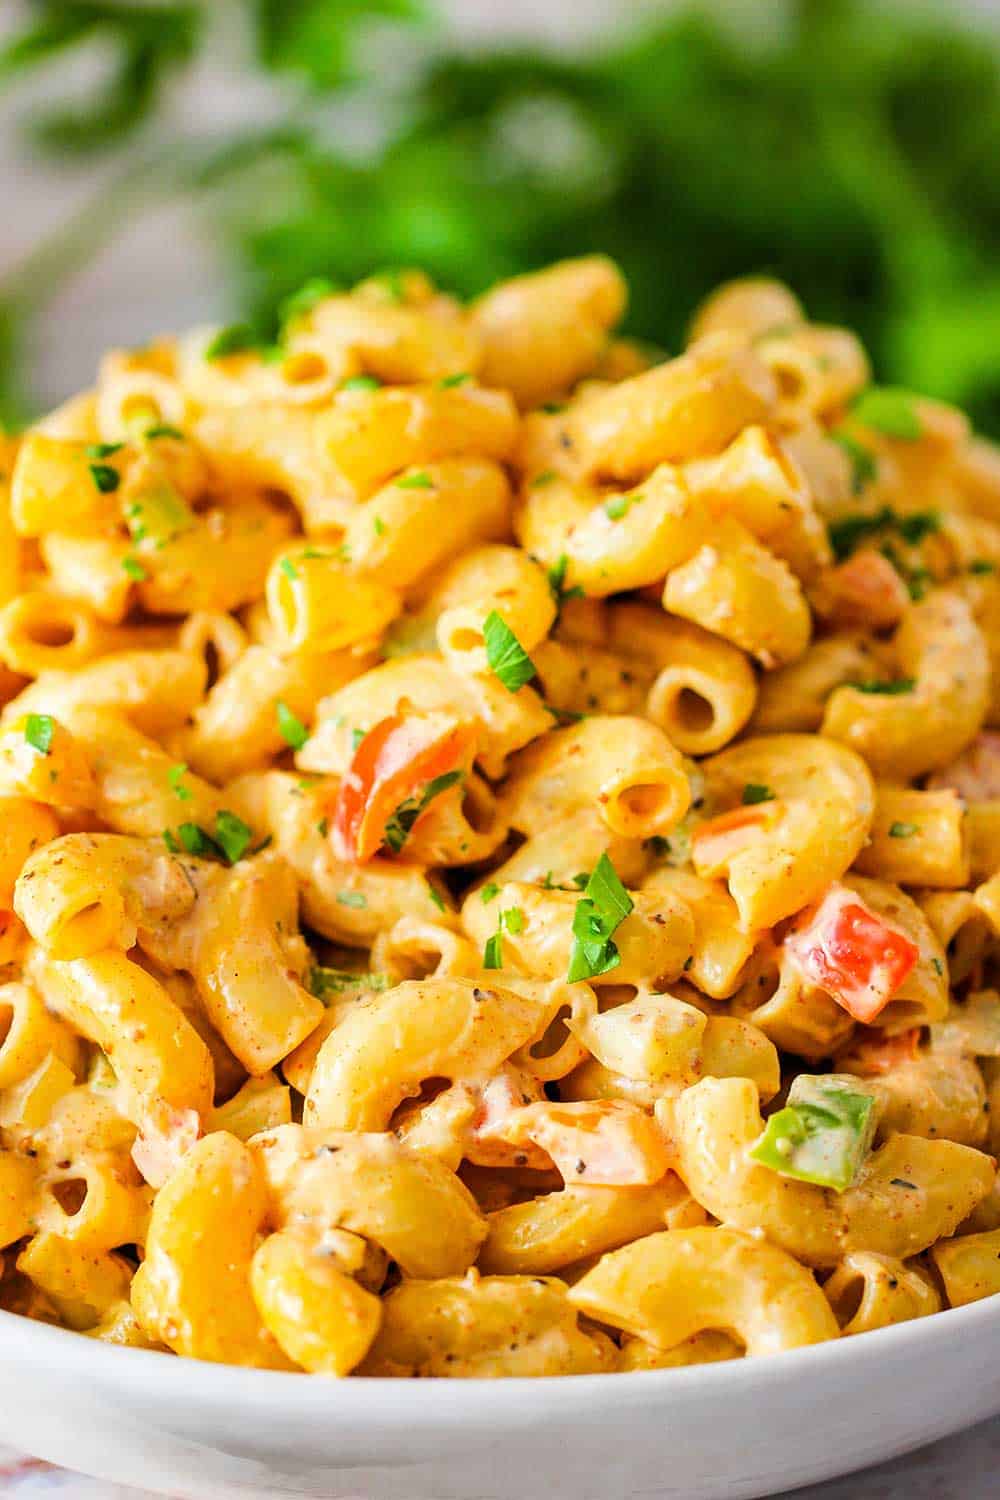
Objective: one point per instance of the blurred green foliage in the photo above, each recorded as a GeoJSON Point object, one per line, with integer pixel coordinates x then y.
{"type": "Point", "coordinates": [852, 150]}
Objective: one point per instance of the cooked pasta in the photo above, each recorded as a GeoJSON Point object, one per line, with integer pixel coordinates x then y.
{"type": "Point", "coordinates": [499, 841]}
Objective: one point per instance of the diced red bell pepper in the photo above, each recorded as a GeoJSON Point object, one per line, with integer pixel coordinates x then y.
{"type": "Point", "coordinates": [852, 953]}
{"type": "Point", "coordinates": [393, 763]}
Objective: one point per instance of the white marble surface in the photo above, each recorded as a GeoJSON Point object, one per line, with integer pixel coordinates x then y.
{"type": "Point", "coordinates": [964, 1467]}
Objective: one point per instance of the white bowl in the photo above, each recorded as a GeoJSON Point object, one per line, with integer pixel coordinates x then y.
{"type": "Point", "coordinates": [737, 1430]}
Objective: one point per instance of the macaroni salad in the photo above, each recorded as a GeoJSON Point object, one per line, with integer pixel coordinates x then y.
{"type": "Point", "coordinates": [499, 840]}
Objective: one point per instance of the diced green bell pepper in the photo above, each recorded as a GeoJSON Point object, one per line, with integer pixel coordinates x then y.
{"type": "Point", "coordinates": [824, 1132]}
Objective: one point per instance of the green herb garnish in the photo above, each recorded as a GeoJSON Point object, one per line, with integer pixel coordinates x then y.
{"type": "Point", "coordinates": [400, 824]}
{"type": "Point", "coordinates": [324, 982]}
{"type": "Point", "coordinates": [507, 658]}
{"type": "Point", "coordinates": [229, 842]}
{"type": "Point", "coordinates": [755, 791]}
{"type": "Point", "coordinates": [352, 898]}
{"type": "Point", "coordinates": [864, 464]}
{"type": "Point", "coordinates": [105, 477]}
{"type": "Point", "coordinates": [232, 835]}
{"type": "Point", "coordinates": [290, 727]}
{"type": "Point", "coordinates": [493, 951]}
{"type": "Point", "coordinates": [557, 581]}
{"type": "Point", "coordinates": [302, 302]}
{"type": "Point", "coordinates": [175, 780]}
{"type": "Point", "coordinates": [436, 897]}
{"type": "Point", "coordinates": [602, 908]}
{"type": "Point", "coordinates": [886, 689]}
{"type": "Point", "coordinates": [38, 731]}
{"type": "Point", "coordinates": [361, 383]}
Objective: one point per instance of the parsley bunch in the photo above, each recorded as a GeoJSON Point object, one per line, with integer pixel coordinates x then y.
{"type": "Point", "coordinates": [874, 195]}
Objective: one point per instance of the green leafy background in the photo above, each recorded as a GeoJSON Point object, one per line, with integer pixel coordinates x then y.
{"type": "Point", "coordinates": [852, 150]}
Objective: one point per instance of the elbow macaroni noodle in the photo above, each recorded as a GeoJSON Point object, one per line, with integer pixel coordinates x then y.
{"type": "Point", "coordinates": [499, 841]}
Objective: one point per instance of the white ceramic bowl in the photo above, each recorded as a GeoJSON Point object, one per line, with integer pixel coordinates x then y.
{"type": "Point", "coordinates": [741, 1429]}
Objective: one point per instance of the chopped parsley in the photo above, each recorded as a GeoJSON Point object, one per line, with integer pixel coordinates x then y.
{"type": "Point", "coordinates": [886, 689]}
{"type": "Point", "coordinates": [302, 302]}
{"type": "Point", "coordinates": [903, 830]}
{"type": "Point", "coordinates": [38, 731]}
{"type": "Point", "coordinates": [557, 583]}
{"type": "Point", "coordinates": [105, 478]}
{"type": "Point", "coordinates": [103, 450]}
{"type": "Point", "coordinates": [982, 565]}
{"type": "Point", "coordinates": [158, 516]}
{"type": "Point", "coordinates": [617, 507]}
{"type": "Point", "coordinates": [489, 892]}
{"type": "Point", "coordinates": [229, 842]}
{"type": "Point", "coordinates": [235, 338]}
{"type": "Point", "coordinates": [913, 528]}
{"type": "Point", "coordinates": [846, 534]}
{"type": "Point", "coordinates": [602, 908]}
{"type": "Point", "coordinates": [134, 569]}
{"type": "Point", "coordinates": [513, 920]}
{"type": "Point", "coordinates": [379, 526]}
{"type": "Point", "coordinates": [756, 791]}
{"type": "Point", "coordinates": [291, 728]}
{"type": "Point", "coordinates": [361, 383]}
{"type": "Point", "coordinates": [324, 982]}
{"type": "Point", "coordinates": [175, 780]}
{"type": "Point", "coordinates": [864, 464]}
{"type": "Point", "coordinates": [288, 568]}
{"type": "Point", "coordinates": [400, 825]}
{"type": "Point", "coordinates": [435, 896]}
{"type": "Point", "coordinates": [162, 430]}
{"type": "Point", "coordinates": [545, 477]}
{"type": "Point", "coordinates": [493, 952]}
{"type": "Point", "coordinates": [449, 382]}
{"type": "Point", "coordinates": [507, 658]}
{"type": "Point", "coordinates": [889, 409]}
{"type": "Point", "coordinates": [421, 480]}
{"type": "Point", "coordinates": [352, 898]}
{"type": "Point", "coordinates": [232, 835]}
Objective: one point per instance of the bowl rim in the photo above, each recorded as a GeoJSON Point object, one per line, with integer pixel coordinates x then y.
{"type": "Point", "coordinates": [440, 1399]}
